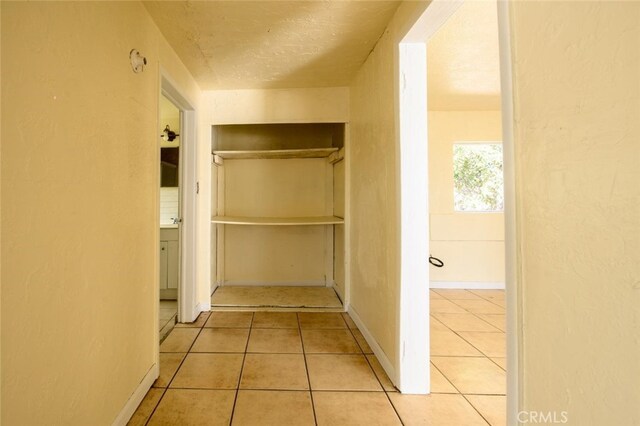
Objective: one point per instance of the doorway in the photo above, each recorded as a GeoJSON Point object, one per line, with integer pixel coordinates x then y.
{"type": "Point", "coordinates": [414, 374]}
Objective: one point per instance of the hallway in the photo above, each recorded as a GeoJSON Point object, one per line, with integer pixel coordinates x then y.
{"type": "Point", "coordinates": [274, 368]}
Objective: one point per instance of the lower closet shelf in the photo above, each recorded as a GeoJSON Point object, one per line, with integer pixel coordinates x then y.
{"type": "Point", "coordinates": [278, 221]}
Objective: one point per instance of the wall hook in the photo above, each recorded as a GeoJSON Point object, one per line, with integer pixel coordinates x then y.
{"type": "Point", "coordinates": [137, 61]}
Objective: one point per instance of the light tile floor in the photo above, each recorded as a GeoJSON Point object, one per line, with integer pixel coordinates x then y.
{"type": "Point", "coordinates": [288, 368]}
{"type": "Point", "coordinates": [167, 317]}
{"type": "Point", "coordinates": [291, 298]}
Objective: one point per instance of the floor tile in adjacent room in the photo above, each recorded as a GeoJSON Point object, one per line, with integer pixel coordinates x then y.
{"type": "Point", "coordinates": [180, 340]}
{"type": "Point", "coordinates": [230, 319]}
{"type": "Point", "coordinates": [492, 295]}
{"type": "Point", "coordinates": [448, 343]}
{"type": "Point", "coordinates": [436, 409]}
{"type": "Point", "coordinates": [273, 408]}
{"type": "Point", "coordinates": [321, 320]}
{"type": "Point", "coordinates": [209, 371]}
{"type": "Point", "coordinates": [434, 295]}
{"type": "Point", "coordinates": [490, 344]}
{"type": "Point", "coordinates": [341, 372]}
{"type": "Point", "coordinates": [497, 320]}
{"type": "Point", "coordinates": [275, 320]}
{"type": "Point", "coordinates": [349, 321]}
{"type": "Point", "coordinates": [329, 341]}
{"type": "Point", "coordinates": [169, 363]}
{"type": "Point", "coordinates": [274, 371]}
{"type": "Point", "coordinates": [146, 407]}
{"type": "Point", "coordinates": [275, 340]}
{"type": "Point", "coordinates": [492, 407]}
{"type": "Point", "coordinates": [221, 340]}
{"type": "Point", "coordinates": [354, 409]}
{"type": "Point", "coordinates": [439, 383]}
{"type": "Point", "coordinates": [502, 362]}
{"type": "Point", "coordinates": [464, 322]}
{"type": "Point", "coordinates": [445, 306]}
{"type": "Point", "coordinates": [194, 407]}
{"type": "Point", "coordinates": [480, 306]}
{"type": "Point", "coordinates": [435, 325]}
{"type": "Point", "coordinates": [472, 375]}
{"type": "Point", "coordinates": [274, 296]}
{"type": "Point", "coordinates": [456, 294]}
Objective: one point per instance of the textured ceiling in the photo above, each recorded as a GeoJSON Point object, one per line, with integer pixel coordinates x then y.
{"type": "Point", "coordinates": [272, 44]}
{"type": "Point", "coordinates": [463, 67]}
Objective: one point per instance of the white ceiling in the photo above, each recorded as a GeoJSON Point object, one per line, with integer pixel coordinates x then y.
{"type": "Point", "coordinates": [287, 44]}
{"type": "Point", "coordinates": [463, 69]}
{"type": "Point", "coordinates": [272, 44]}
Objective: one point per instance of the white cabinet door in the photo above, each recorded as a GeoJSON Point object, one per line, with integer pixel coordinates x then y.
{"type": "Point", "coordinates": [164, 250]}
{"type": "Point", "coordinates": [172, 264]}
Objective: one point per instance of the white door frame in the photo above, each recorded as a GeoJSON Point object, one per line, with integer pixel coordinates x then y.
{"type": "Point", "coordinates": [413, 345]}
{"type": "Point", "coordinates": [187, 303]}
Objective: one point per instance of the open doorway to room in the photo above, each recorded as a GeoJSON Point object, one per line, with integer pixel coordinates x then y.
{"type": "Point", "coordinates": [170, 213]}
{"type": "Point", "coordinates": [452, 54]}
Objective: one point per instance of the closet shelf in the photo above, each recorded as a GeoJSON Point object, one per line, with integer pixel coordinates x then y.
{"type": "Point", "coordinates": [277, 153]}
{"type": "Point", "coordinates": [277, 221]}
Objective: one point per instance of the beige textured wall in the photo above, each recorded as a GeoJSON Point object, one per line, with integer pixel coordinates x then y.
{"type": "Point", "coordinates": [470, 244]}
{"type": "Point", "coordinates": [374, 187]}
{"type": "Point", "coordinates": [577, 131]}
{"type": "Point", "coordinates": [80, 208]}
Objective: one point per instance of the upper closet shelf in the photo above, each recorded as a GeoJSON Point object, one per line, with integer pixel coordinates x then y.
{"type": "Point", "coordinates": [278, 221]}
{"type": "Point", "coordinates": [278, 153]}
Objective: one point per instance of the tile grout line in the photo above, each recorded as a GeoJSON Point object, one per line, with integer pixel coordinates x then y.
{"type": "Point", "coordinates": [176, 372]}
{"type": "Point", "coordinates": [306, 367]}
{"type": "Point", "coordinates": [366, 358]}
{"type": "Point", "coordinates": [244, 358]}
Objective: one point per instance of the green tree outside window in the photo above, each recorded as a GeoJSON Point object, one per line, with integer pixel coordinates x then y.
{"type": "Point", "coordinates": [478, 184]}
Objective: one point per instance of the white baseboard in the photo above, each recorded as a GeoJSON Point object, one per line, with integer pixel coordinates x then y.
{"type": "Point", "coordinates": [468, 285]}
{"type": "Point", "coordinates": [137, 396]}
{"type": "Point", "coordinates": [311, 283]}
{"type": "Point", "coordinates": [377, 350]}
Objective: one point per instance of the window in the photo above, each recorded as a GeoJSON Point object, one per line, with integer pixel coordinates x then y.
{"type": "Point", "coordinates": [477, 177]}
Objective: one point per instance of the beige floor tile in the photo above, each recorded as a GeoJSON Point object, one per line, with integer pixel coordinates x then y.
{"type": "Point", "coordinates": [146, 407]}
{"type": "Point", "coordinates": [194, 407]}
{"type": "Point", "coordinates": [490, 344]}
{"type": "Point", "coordinates": [492, 407]}
{"type": "Point", "coordinates": [179, 340]}
{"type": "Point", "coordinates": [321, 320]}
{"type": "Point", "coordinates": [456, 294]}
{"type": "Point", "coordinates": [472, 375]}
{"type": "Point", "coordinates": [209, 371]}
{"type": "Point", "coordinates": [435, 409]}
{"type": "Point", "coordinates": [273, 408]}
{"type": "Point", "coordinates": [329, 341]}
{"type": "Point", "coordinates": [270, 296]}
{"type": "Point", "coordinates": [493, 295]}
{"type": "Point", "coordinates": [445, 306]}
{"type": "Point", "coordinates": [448, 343]}
{"type": "Point", "coordinates": [480, 306]}
{"type": "Point", "coordinates": [341, 372]}
{"type": "Point", "coordinates": [436, 325]}
{"type": "Point", "coordinates": [354, 409]}
{"type": "Point", "coordinates": [275, 320]}
{"type": "Point", "coordinates": [434, 295]}
{"type": "Point", "coordinates": [386, 382]}
{"type": "Point", "coordinates": [348, 320]}
{"type": "Point", "coordinates": [362, 342]}
{"type": "Point", "coordinates": [464, 322]}
{"type": "Point", "coordinates": [230, 319]}
{"type": "Point", "coordinates": [502, 303]}
{"type": "Point", "coordinates": [274, 371]}
{"type": "Point", "coordinates": [497, 320]}
{"type": "Point", "coordinates": [198, 323]}
{"type": "Point", "coordinates": [221, 340]}
{"type": "Point", "coordinates": [439, 383]}
{"type": "Point", "coordinates": [502, 362]}
{"type": "Point", "coordinates": [169, 363]}
{"type": "Point", "coordinates": [275, 340]}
